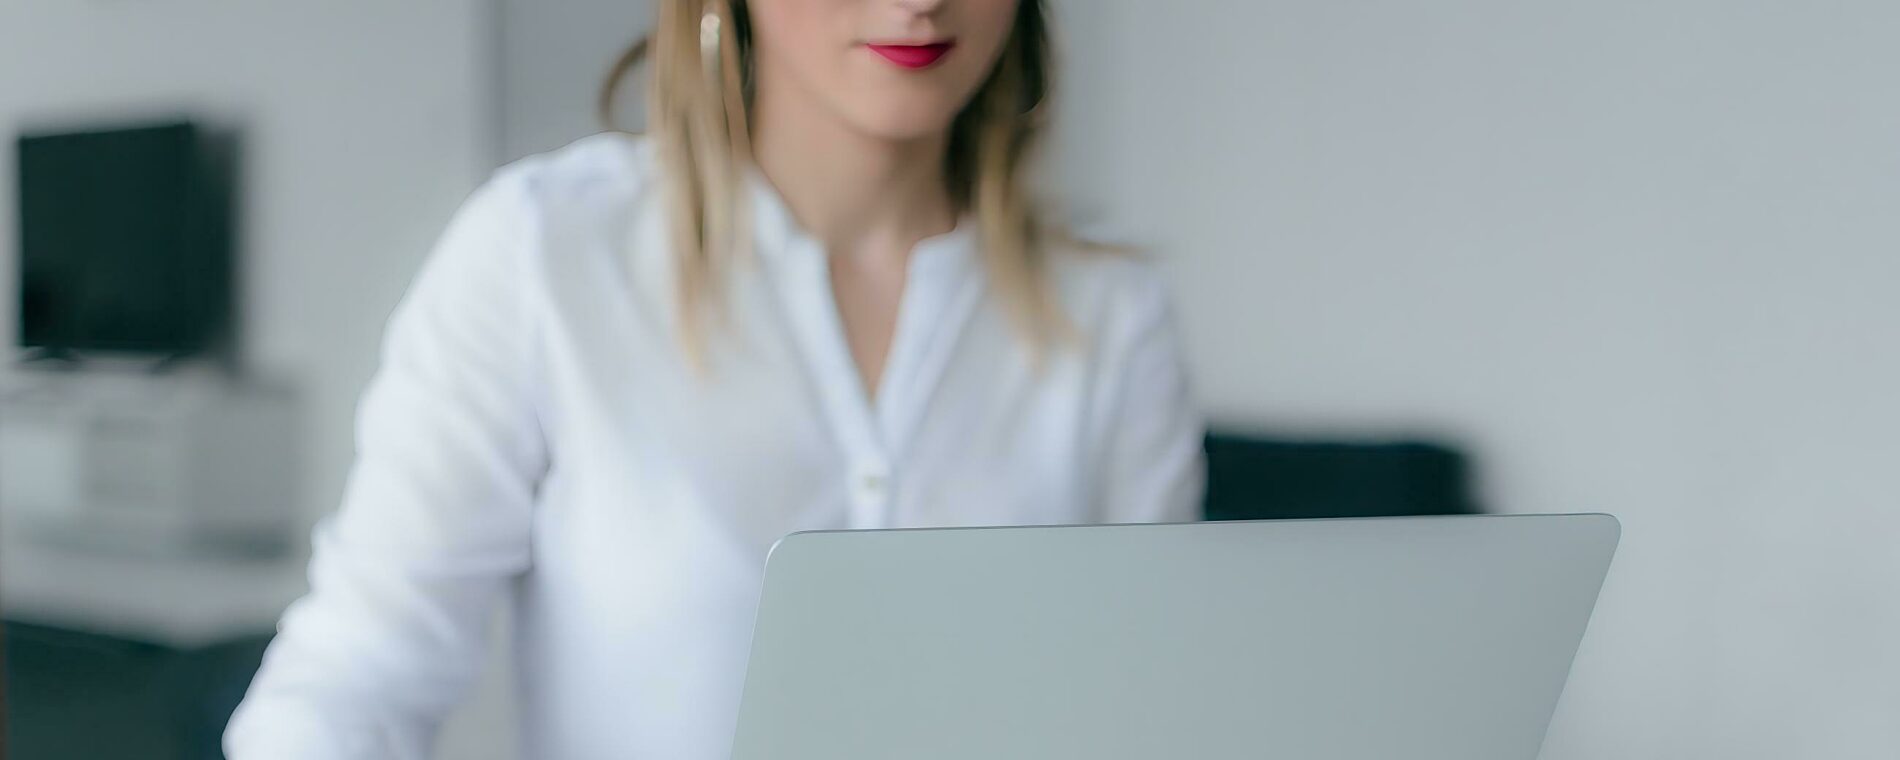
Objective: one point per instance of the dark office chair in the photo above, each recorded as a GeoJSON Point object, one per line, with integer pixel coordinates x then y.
{"type": "Point", "coordinates": [1258, 478]}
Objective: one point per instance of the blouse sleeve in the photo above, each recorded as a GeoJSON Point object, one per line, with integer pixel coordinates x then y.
{"type": "Point", "coordinates": [436, 513]}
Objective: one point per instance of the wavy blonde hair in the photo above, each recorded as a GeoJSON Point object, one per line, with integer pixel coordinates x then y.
{"type": "Point", "coordinates": [698, 119]}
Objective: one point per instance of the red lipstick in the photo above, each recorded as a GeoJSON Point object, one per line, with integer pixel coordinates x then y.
{"type": "Point", "coordinates": [913, 56]}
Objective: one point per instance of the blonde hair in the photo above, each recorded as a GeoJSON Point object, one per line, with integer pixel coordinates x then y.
{"type": "Point", "coordinates": [698, 102]}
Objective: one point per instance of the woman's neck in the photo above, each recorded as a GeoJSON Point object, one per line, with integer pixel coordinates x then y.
{"type": "Point", "coordinates": [858, 194]}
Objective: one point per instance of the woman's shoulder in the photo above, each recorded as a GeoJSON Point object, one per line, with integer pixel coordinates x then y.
{"type": "Point", "coordinates": [598, 170]}
{"type": "Point", "coordinates": [573, 217]}
{"type": "Point", "coordinates": [1103, 284]}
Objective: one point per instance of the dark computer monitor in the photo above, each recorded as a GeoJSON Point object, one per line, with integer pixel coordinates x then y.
{"type": "Point", "coordinates": [125, 240]}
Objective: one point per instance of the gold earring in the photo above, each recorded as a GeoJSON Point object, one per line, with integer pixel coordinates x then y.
{"type": "Point", "coordinates": [709, 35]}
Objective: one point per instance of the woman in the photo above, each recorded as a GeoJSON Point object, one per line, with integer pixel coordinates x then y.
{"type": "Point", "coordinates": [816, 296]}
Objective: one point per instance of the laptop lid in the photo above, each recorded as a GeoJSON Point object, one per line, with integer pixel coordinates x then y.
{"type": "Point", "coordinates": [1428, 638]}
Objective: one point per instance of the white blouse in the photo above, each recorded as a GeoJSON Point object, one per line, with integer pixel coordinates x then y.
{"type": "Point", "coordinates": [534, 436]}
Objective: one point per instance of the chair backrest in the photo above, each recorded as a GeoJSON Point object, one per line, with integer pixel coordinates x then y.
{"type": "Point", "coordinates": [1259, 478]}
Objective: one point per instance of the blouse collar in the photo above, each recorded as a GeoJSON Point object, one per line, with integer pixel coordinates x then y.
{"type": "Point", "coordinates": [780, 238]}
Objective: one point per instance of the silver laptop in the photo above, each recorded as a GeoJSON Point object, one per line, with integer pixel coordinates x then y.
{"type": "Point", "coordinates": [1434, 638]}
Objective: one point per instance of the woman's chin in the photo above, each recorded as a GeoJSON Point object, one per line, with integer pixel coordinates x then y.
{"type": "Point", "coordinates": [905, 124]}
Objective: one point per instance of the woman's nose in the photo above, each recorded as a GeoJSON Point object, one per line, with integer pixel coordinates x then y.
{"type": "Point", "coordinates": [919, 7]}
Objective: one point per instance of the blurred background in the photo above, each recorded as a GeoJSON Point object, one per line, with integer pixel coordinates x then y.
{"type": "Point", "coordinates": [1632, 257]}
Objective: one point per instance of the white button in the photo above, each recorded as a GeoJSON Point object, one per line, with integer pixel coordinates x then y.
{"type": "Point", "coordinates": [872, 485]}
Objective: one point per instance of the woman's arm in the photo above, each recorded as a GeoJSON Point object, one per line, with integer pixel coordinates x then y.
{"type": "Point", "coordinates": [1153, 467]}
{"type": "Point", "coordinates": [436, 514]}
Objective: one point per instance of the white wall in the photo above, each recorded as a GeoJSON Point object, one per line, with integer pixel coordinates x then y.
{"type": "Point", "coordinates": [554, 57]}
{"type": "Point", "coordinates": [1642, 257]}
{"type": "Point", "coordinates": [365, 123]}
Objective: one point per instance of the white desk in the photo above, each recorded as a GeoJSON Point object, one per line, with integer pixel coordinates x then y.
{"type": "Point", "coordinates": [178, 602]}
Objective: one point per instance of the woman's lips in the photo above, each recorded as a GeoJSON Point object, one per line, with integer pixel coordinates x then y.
{"type": "Point", "coordinates": [913, 56]}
